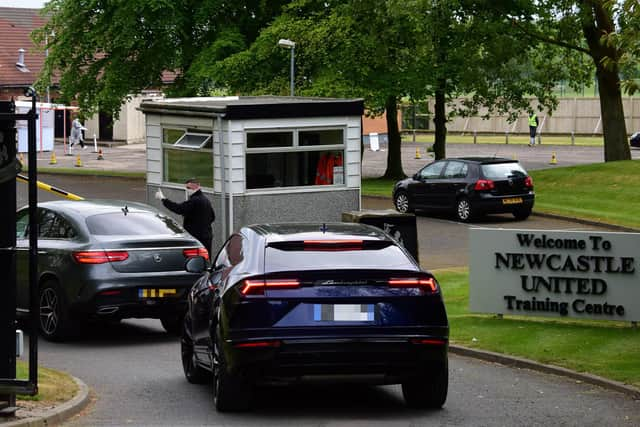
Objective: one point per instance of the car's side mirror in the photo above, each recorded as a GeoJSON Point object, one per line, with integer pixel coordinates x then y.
{"type": "Point", "coordinates": [196, 265]}
{"type": "Point", "coordinates": [416, 177]}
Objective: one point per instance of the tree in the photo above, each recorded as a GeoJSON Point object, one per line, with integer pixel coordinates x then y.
{"type": "Point", "coordinates": [104, 51]}
{"type": "Point", "coordinates": [586, 26]}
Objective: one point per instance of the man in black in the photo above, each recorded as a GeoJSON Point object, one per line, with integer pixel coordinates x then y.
{"type": "Point", "coordinates": [196, 210]}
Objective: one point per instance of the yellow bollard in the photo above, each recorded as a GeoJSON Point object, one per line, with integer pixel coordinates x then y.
{"type": "Point", "coordinates": [78, 161]}
{"type": "Point", "coordinates": [418, 155]}
{"type": "Point", "coordinates": [53, 159]}
{"type": "Point", "coordinates": [554, 160]}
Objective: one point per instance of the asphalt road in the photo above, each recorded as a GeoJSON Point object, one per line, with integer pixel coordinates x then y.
{"type": "Point", "coordinates": [135, 373]}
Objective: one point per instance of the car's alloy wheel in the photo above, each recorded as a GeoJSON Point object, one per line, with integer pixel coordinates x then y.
{"type": "Point", "coordinates": [464, 211]}
{"type": "Point", "coordinates": [402, 202]}
{"type": "Point", "coordinates": [55, 322]}
{"type": "Point", "coordinates": [230, 392]}
{"type": "Point", "coordinates": [428, 390]}
{"type": "Point", "coordinates": [194, 373]}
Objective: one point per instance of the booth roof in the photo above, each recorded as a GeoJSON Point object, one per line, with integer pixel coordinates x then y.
{"type": "Point", "coordinates": [255, 107]}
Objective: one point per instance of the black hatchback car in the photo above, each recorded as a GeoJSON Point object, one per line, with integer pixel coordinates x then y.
{"type": "Point", "coordinates": [335, 302]}
{"type": "Point", "coordinates": [105, 260]}
{"type": "Point", "coordinates": [468, 187]}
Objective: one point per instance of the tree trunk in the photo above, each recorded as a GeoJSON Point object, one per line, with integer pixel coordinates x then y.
{"type": "Point", "coordinates": [440, 120]}
{"type": "Point", "coordinates": [597, 21]}
{"type": "Point", "coordinates": [394, 154]}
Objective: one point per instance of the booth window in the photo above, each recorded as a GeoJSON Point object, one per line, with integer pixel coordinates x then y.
{"type": "Point", "coordinates": [295, 158]}
{"type": "Point", "coordinates": [187, 154]}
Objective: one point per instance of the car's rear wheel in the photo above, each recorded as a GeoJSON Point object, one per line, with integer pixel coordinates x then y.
{"type": "Point", "coordinates": [172, 324]}
{"type": "Point", "coordinates": [429, 390]}
{"type": "Point", "coordinates": [402, 203]}
{"type": "Point", "coordinates": [522, 213]}
{"type": "Point", "coordinates": [231, 392]}
{"type": "Point", "coordinates": [464, 210]}
{"type": "Point", "coordinates": [194, 373]}
{"type": "Point", "coordinates": [55, 320]}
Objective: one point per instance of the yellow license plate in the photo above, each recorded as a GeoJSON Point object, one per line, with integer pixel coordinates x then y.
{"type": "Point", "coordinates": [157, 293]}
{"type": "Point", "coordinates": [512, 201]}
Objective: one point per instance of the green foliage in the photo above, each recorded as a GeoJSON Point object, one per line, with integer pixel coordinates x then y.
{"type": "Point", "coordinates": [105, 51]}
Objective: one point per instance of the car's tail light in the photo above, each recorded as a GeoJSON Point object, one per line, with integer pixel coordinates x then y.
{"type": "Point", "coordinates": [194, 252]}
{"type": "Point", "coordinates": [332, 245]}
{"type": "Point", "coordinates": [427, 341]}
{"type": "Point", "coordinates": [484, 185]}
{"type": "Point", "coordinates": [257, 287]}
{"type": "Point", "coordinates": [110, 293]}
{"type": "Point", "coordinates": [258, 344]}
{"type": "Point", "coordinates": [427, 284]}
{"type": "Point", "coordinates": [99, 257]}
{"type": "Point", "coordinates": [528, 182]}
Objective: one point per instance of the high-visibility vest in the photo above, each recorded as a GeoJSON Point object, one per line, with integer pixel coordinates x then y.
{"type": "Point", "coordinates": [533, 120]}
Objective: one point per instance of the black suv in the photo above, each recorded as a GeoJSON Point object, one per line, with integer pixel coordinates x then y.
{"type": "Point", "coordinates": [468, 186]}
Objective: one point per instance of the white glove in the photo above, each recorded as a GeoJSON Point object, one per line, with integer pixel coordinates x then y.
{"type": "Point", "coordinates": [159, 195]}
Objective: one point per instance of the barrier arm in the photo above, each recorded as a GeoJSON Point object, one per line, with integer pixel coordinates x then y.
{"type": "Point", "coordinates": [50, 188]}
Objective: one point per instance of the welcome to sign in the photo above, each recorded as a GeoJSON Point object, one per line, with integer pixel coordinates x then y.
{"type": "Point", "coordinates": [586, 275]}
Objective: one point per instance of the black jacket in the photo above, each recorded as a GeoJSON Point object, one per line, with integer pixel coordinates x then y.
{"type": "Point", "coordinates": [198, 216]}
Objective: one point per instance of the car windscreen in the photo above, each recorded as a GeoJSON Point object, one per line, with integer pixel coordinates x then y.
{"type": "Point", "coordinates": [503, 170]}
{"type": "Point", "coordinates": [132, 224]}
{"type": "Point", "coordinates": [390, 257]}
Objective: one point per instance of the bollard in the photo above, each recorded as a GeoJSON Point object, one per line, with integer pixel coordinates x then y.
{"type": "Point", "coordinates": [78, 161]}
{"type": "Point", "coordinates": [95, 144]}
{"type": "Point", "coordinates": [539, 139]}
{"type": "Point", "coordinates": [554, 159]}
{"type": "Point", "coordinates": [506, 137]}
{"type": "Point", "coordinates": [475, 137]}
{"type": "Point", "coordinates": [53, 159]}
{"type": "Point", "coordinates": [418, 156]}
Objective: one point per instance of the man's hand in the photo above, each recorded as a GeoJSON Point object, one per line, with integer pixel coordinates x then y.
{"type": "Point", "coordinates": [159, 195]}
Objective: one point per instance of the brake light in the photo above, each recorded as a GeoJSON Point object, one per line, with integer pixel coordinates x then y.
{"type": "Point", "coordinates": [528, 182]}
{"type": "Point", "coordinates": [257, 287]}
{"type": "Point", "coordinates": [194, 252]}
{"type": "Point", "coordinates": [332, 245]}
{"type": "Point", "coordinates": [427, 341]}
{"type": "Point", "coordinates": [110, 293]}
{"type": "Point", "coordinates": [427, 284]}
{"type": "Point", "coordinates": [258, 344]}
{"type": "Point", "coordinates": [99, 257]}
{"type": "Point", "coordinates": [484, 185]}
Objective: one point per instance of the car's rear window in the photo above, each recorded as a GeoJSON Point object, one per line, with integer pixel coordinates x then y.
{"type": "Point", "coordinates": [390, 257]}
{"type": "Point", "coordinates": [503, 170]}
{"type": "Point", "coordinates": [133, 223]}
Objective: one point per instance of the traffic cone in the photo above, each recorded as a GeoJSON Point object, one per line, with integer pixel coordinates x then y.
{"type": "Point", "coordinates": [418, 155]}
{"type": "Point", "coordinates": [53, 160]}
{"type": "Point", "coordinates": [100, 157]}
{"type": "Point", "coordinates": [78, 161]}
{"type": "Point", "coordinates": [554, 160]}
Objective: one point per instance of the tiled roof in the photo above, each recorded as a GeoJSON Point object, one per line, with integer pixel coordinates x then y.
{"type": "Point", "coordinates": [16, 25]}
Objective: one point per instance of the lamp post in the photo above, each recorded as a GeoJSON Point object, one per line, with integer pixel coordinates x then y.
{"type": "Point", "coordinates": [288, 44]}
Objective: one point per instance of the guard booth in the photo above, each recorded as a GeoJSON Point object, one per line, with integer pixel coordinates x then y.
{"type": "Point", "coordinates": [259, 159]}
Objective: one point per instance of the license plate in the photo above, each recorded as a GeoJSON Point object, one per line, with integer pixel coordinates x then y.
{"type": "Point", "coordinates": [157, 293]}
{"type": "Point", "coordinates": [343, 312]}
{"type": "Point", "coordinates": [512, 201]}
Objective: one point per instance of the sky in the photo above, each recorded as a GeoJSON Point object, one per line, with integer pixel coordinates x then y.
{"type": "Point", "coordinates": [30, 4]}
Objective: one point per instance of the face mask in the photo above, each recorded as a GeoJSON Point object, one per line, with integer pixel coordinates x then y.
{"type": "Point", "coordinates": [188, 192]}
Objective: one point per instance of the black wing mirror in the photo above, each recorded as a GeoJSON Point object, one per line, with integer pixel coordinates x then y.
{"type": "Point", "coordinates": [196, 265]}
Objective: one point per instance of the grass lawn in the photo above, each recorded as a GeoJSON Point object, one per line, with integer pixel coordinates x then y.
{"type": "Point", "coordinates": [53, 386]}
{"type": "Point", "coordinates": [607, 192]}
{"type": "Point", "coordinates": [607, 349]}
{"type": "Point", "coordinates": [467, 138]}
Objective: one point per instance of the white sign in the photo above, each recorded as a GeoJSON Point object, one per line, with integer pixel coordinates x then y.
{"type": "Point", "coordinates": [585, 275]}
{"type": "Point", "coordinates": [374, 144]}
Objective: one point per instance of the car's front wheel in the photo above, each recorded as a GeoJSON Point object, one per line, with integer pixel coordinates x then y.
{"type": "Point", "coordinates": [55, 320]}
{"type": "Point", "coordinates": [231, 392]}
{"type": "Point", "coordinates": [522, 213]}
{"type": "Point", "coordinates": [429, 390]}
{"type": "Point", "coordinates": [402, 203]}
{"type": "Point", "coordinates": [194, 373]}
{"type": "Point", "coordinates": [464, 210]}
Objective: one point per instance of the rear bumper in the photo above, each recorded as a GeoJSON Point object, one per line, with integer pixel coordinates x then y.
{"type": "Point", "coordinates": [379, 360]}
{"type": "Point", "coordinates": [488, 203]}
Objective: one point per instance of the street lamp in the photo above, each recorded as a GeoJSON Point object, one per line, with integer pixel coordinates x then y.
{"type": "Point", "coordinates": [288, 44]}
